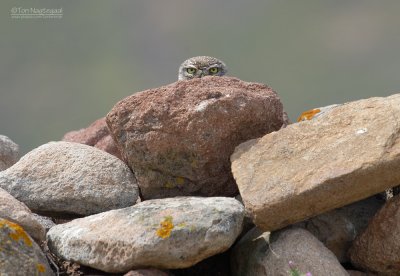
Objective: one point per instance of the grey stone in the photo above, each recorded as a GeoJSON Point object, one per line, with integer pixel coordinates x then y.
{"type": "Point", "coordinates": [19, 254]}
{"type": "Point", "coordinates": [9, 152]}
{"type": "Point", "coordinates": [17, 212]}
{"type": "Point", "coordinates": [160, 233]}
{"type": "Point", "coordinates": [61, 178]}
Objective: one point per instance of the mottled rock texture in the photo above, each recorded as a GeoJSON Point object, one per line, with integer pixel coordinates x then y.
{"type": "Point", "coordinates": [160, 233]}
{"type": "Point", "coordinates": [96, 135]}
{"type": "Point", "coordinates": [377, 249]}
{"type": "Point", "coordinates": [15, 211]}
{"type": "Point", "coordinates": [61, 178]}
{"type": "Point", "coordinates": [9, 152]}
{"type": "Point", "coordinates": [308, 168]}
{"type": "Point", "coordinates": [178, 138]}
{"type": "Point", "coordinates": [19, 254]}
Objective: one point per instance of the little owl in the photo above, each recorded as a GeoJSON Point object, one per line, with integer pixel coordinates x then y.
{"type": "Point", "coordinates": [197, 67]}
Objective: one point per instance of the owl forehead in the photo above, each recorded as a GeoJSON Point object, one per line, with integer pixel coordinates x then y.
{"type": "Point", "coordinates": [199, 62]}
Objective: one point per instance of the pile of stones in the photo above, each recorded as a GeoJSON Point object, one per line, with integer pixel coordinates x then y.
{"type": "Point", "coordinates": [207, 177]}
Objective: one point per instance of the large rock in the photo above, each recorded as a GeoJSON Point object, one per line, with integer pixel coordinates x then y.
{"type": "Point", "coordinates": [178, 138]}
{"type": "Point", "coordinates": [96, 135]}
{"type": "Point", "coordinates": [62, 178]}
{"type": "Point", "coordinates": [19, 254]}
{"type": "Point", "coordinates": [15, 211]}
{"type": "Point", "coordinates": [377, 249]}
{"type": "Point", "coordinates": [349, 153]}
{"type": "Point", "coordinates": [159, 233]}
{"type": "Point", "coordinates": [261, 253]}
{"type": "Point", "coordinates": [9, 152]}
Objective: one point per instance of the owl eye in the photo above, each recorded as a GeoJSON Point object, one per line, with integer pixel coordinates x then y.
{"type": "Point", "coordinates": [213, 70]}
{"type": "Point", "coordinates": [191, 70]}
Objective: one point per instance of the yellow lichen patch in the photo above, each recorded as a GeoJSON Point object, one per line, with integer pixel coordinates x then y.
{"type": "Point", "coordinates": [192, 228]}
{"type": "Point", "coordinates": [166, 227]}
{"type": "Point", "coordinates": [181, 225]}
{"type": "Point", "coordinates": [17, 233]}
{"type": "Point", "coordinates": [308, 115]}
{"type": "Point", "coordinates": [193, 163]}
{"type": "Point", "coordinates": [177, 181]}
{"type": "Point", "coordinates": [180, 180]}
{"type": "Point", "coordinates": [41, 268]}
{"type": "Point", "coordinates": [169, 185]}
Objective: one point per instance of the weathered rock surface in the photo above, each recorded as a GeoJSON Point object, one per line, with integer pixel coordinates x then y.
{"type": "Point", "coordinates": [308, 168]}
{"type": "Point", "coordinates": [19, 254]}
{"type": "Point", "coordinates": [61, 178]}
{"type": "Point", "coordinates": [377, 249]}
{"type": "Point", "coordinates": [322, 111]}
{"type": "Point", "coordinates": [96, 135]}
{"type": "Point", "coordinates": [17, 212]}
{"type": "Point", "coordinates": [338, 228]}
{"type": "Point", "coordinates": [261, 253]}
{"type": "Point", "coordinates": [9, 152]}
{"type": "Point", "coordinates": [178, 138]}
{"type": "Point", "coordinates": [161, 233]}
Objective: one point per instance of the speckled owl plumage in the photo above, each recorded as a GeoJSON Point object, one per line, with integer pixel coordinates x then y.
{"type": "Point", "coordinates": [197, 67]}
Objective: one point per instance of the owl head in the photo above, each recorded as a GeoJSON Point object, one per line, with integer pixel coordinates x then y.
{"type": "Point", "coordinates": [197, 67]}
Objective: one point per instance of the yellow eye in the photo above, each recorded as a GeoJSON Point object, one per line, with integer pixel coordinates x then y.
{"type": "Point", "coordinates": [191, 70]}
{"type": "Point", "coordinates": [213, 70]}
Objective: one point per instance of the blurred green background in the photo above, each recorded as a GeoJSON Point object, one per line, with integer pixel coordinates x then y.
{"type": "Point", "coordinates": [58, 75]}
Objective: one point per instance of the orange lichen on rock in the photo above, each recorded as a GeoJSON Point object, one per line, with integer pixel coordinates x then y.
{"type": "Point", "coordinates": [308, 115]}
{"type": "Point", "coordinates": [41, 268]}
{"type": "Point", "coordinates": [166, 227]}
{"type": "Point", "coordinates": [17, 233]}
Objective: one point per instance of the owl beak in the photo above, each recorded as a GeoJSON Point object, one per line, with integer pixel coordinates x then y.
{"type": "Point", "coordinates": [201, 73]}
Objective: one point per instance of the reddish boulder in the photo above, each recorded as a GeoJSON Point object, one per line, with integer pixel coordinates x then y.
{"type": "Point", "coordinates": [96, 135]}
{"type": "Point", "coordinates": [377, 249]}
{"type": "Point", "coordinates": [178, 138]}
